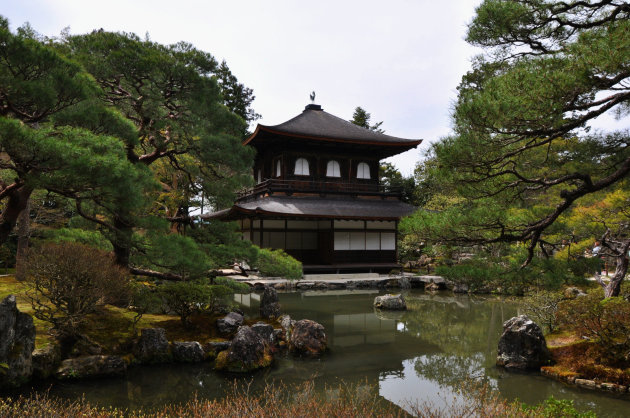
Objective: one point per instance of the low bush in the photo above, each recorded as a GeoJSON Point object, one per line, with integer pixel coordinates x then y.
{"type": "Point", "coordinates": [542, 307]}
{"type": "Point", "coordinates": [277, 263]}
{"type": "Point", "coordinates": [67, 282]}
{"type": "Point", "coordinates": [187, 298]}
{"type": "Point", "coordinates": [606, 321]}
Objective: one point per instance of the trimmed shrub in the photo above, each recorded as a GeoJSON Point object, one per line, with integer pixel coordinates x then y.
{"type": "Point", "coordinates": [277, 263]}
{"type": "Point", "coordinates": [187, 298]}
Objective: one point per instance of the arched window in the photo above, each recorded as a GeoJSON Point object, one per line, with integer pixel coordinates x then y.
{"type": "Point", "coordinates": [332, 169]}
{"type": "Point", "coordinates": [278, 168]}
{"type": "Point", "coordinates": [363, 171]}
{"type": "Point", "coordinates": [259, 176]}
{"type": "Point", "coordinates": [301, 167]}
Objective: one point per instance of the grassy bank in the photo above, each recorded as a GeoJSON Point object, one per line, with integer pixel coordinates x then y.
{"type": "Point", "coordinates": [112, 327]}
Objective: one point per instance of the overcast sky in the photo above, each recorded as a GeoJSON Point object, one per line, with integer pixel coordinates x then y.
{"type": "Point", "coordinates": [401, 60]}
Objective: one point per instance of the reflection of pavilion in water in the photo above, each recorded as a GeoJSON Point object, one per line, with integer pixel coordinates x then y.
{"type": "Point", "coordinates": [347, 324]}
{"type": "Point", "coordinates": [352, 325]}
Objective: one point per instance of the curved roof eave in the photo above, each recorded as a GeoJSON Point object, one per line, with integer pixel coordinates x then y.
{"type": "Point", "coordinates": [403, 143]}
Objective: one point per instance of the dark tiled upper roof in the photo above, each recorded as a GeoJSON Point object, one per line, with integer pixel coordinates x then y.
{"type": "Point", "coordinates": [318, 207]}
{"type": "Point", "coordinates": [314, 123]}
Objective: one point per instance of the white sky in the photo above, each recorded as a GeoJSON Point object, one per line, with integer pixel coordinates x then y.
{"type": "Point", "coordinates": [401, 60]}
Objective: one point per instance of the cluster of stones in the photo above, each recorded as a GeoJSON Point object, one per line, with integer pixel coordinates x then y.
{"type": "Point", "coordinates": [522, 346]}
{"type": "Point", "coordinates": [251, 347]}
{"type": "Point", "coordinates": [573, 379]}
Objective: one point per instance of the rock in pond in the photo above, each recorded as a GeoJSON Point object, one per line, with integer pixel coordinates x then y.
{"type": "Point", "coordinates": [265, 331]}
{"type": "Point", "coordinates": [522, 345]}
{"type": "Point", "coordinates": [46, 360]}
{"type": "Point", "coordinates": [187, 352]}
{"type": "Point", "coordinates": [269, 306]}
{"type": "Point", "coordinates": [17, 340]}
{"type": "Point", "coordinates": [307, 337]}
{"type": "Point", "coordinates": [91, 366]}
{"type": "Point", "coordinates": [216, 346]}
{"type": "Point", "coordinates": [460, 288]}
{"type": "Point", "coordinates": [229, 323]}
{"type": "Point", "coordinates": [390, 302]}
{"type": "Point", "coordinates": [152, 346]}
{"type": "Point", "coordinates": [247, 352]}
{"type": "Point", "coordinates": [287, 324]}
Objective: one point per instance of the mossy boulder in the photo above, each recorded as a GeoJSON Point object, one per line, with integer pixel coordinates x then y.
{"type": "Point", "coordinates": [308, 338]}
{"type": "Point", "coordinates": [152, 346]}
{"type": "Point", "coordinates": [91, 366]}
{"type": "Point", "coordinates": [17, 340]}
{"type": "Point", "coordinates": [46, 360]}
{"type": "Point", "coordinates": [522, 345]}
{"type": "Point", "coordinates": [229, 323]}
{"type": "Point", "coordinates": [269, 305]}
{"type": "Point", "coordinates": [390, 302]}
{"type": "Point", "coordinates": [248, 351]}
{"type": "Point", "coordinates": [187, 352]}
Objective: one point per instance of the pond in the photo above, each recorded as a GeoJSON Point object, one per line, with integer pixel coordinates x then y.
{"type": "Point", "coordinates": [421, 354]}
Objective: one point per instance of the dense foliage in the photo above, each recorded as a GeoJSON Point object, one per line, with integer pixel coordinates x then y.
{"type": "Point", "coordinates": [523, 156]}
{"type": "Point", "coordinates": [112, 141]}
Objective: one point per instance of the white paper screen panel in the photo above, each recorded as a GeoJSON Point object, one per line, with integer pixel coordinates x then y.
{"type": "Point", "coordinates": [357, 240]}
{"type": "Point", "coordinates": [373, 241]}
{"type": "Point", "coordinates": [388, 241]}
{"type": "Point", "coordinates": [342, 241]}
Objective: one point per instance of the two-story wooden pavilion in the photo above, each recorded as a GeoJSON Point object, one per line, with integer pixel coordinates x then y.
{"type": "Point", "coordinates": [318, 195]}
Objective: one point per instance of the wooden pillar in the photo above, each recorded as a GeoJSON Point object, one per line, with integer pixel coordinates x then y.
{"type": "Point", "coordinates": [396, 241]}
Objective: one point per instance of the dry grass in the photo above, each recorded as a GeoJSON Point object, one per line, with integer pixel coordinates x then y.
{"type": "Point", "coordinates": [561, 338]}
{"type": "Point", "coordinates": [579, 358]}
{"type": "Point", "coordinates": [296, 401]}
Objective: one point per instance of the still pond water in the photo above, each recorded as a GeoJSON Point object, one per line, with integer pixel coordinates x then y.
{"type": "Point", "coordinates": [421, 354]}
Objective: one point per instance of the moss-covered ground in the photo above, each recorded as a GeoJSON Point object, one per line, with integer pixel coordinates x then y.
{"type": "Point", "coordinates": [113, 327]}
{"type": "Point", "coordinates": [575, 357]}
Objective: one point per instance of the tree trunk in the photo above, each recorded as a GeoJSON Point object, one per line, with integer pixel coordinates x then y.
{"type": "Point", "coordinates": [156, 274]}
{"type": "Point", "coordinates": [122, 242]}
{"type": "Point", "coordinates": [24, 235]}
{"type": "Point", "coordinates": [614, 286]}
{"type": "Point", "coordinates": [16, 202]}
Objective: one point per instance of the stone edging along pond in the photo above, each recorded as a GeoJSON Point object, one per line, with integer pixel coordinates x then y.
{"type": "Point", "coordinates": [573, 380]}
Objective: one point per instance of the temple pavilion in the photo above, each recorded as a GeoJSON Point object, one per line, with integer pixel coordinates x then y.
{"type": "Point", "coordinates": [318, 195]}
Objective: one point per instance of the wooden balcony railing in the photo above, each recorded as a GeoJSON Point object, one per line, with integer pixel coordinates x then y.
{"type": "Point", "coordinates": [270, 186]}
